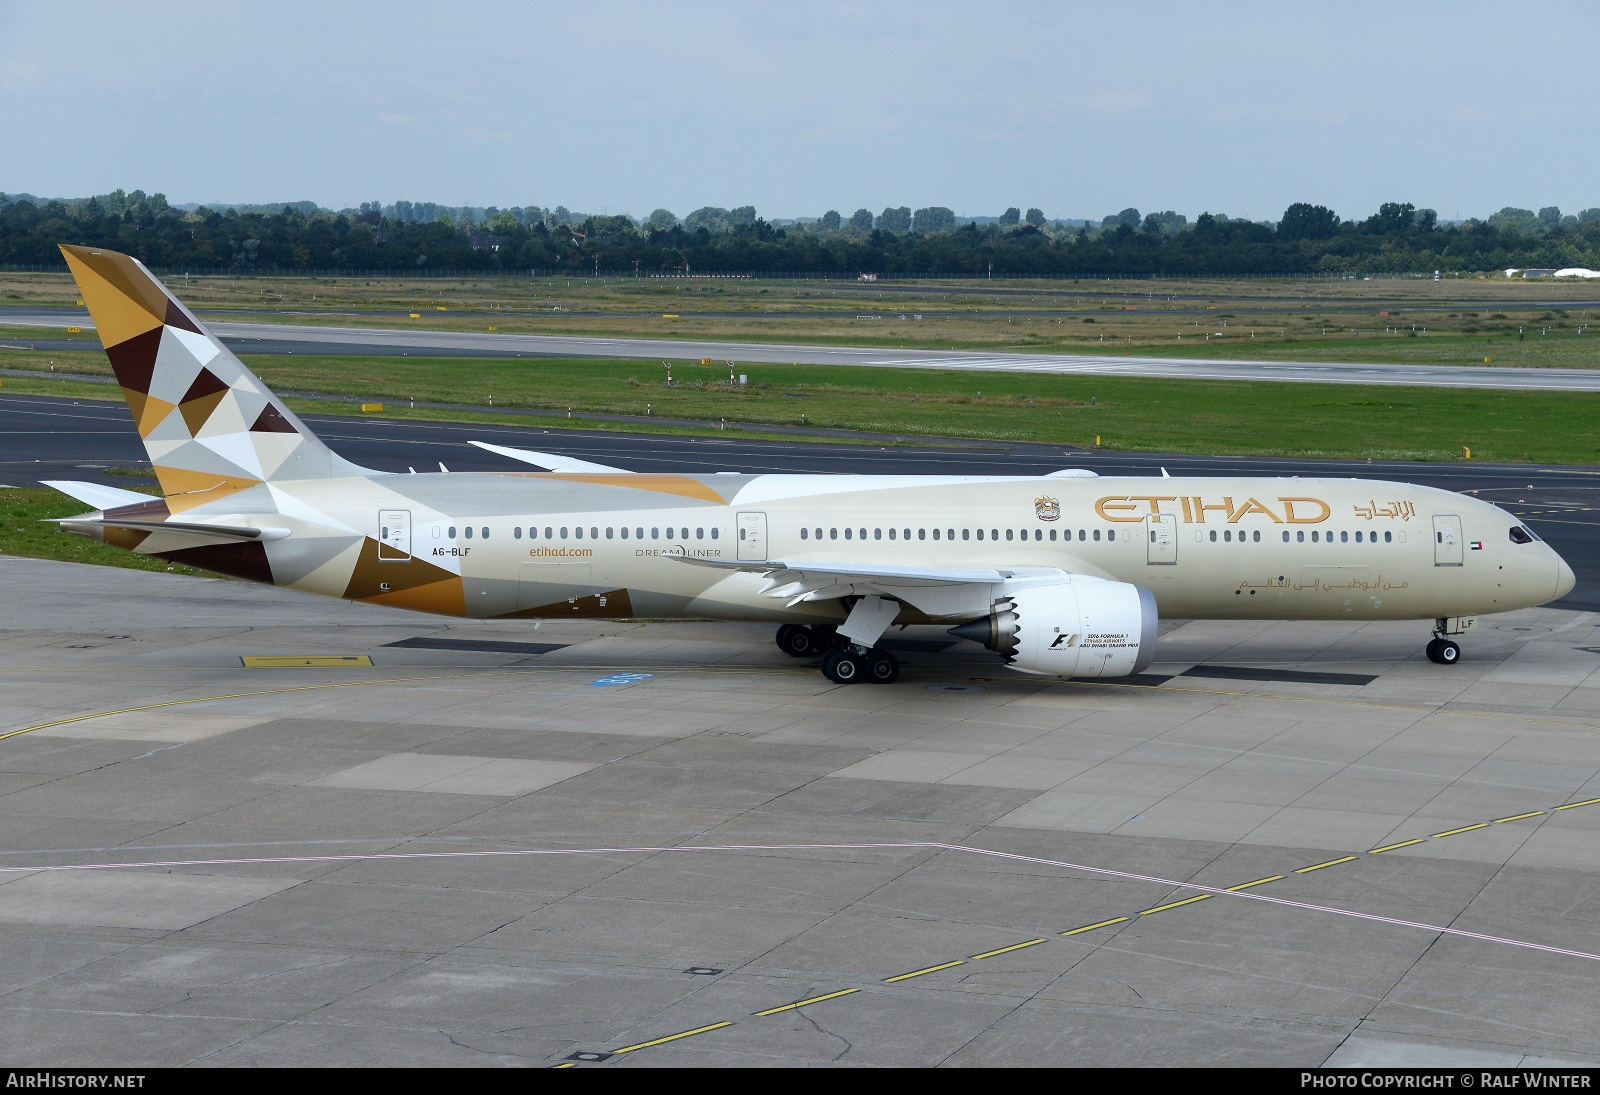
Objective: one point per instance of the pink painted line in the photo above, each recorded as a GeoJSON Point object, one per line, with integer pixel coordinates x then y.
{"type": "Point", "coordinates": [898, 845]}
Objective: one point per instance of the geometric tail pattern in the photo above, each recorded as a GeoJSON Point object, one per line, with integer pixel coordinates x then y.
{"type": "Point", "coordinates": [209, 425]}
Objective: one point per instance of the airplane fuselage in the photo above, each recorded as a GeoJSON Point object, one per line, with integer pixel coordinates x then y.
{"type": "Point", "coordinates": [543, 545]}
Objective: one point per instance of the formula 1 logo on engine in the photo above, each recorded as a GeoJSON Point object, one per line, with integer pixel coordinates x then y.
{"type": "Point", "coordinates": [1064, 641]}
{"type": "Point", "coordinates": [1047, 509]}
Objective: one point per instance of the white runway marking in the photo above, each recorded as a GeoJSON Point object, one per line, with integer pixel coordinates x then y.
{"type": "Point", "coordinates": [1213, 891]}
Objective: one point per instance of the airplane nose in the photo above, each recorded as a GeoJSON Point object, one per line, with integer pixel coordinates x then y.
{"type": "Point", "coordinates": [1565, 579]}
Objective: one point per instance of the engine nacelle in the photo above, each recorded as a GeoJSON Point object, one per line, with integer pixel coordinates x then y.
{"type": "Point", "coordinates": [1084, 627]}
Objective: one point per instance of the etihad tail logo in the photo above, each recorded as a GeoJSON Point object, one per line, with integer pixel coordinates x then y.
{"type": "Point", "coordinates": [1047, 509]}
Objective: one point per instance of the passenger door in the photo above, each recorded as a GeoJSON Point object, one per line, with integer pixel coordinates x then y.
{"type": "Point", "coordinates": [753, 536]}
{"type": "Point", "coordinates": [394, 535]}
{"type": "Point", "coordinates": [1161, 536]}
{"type": "Point", "coordinates": [1447, 545]}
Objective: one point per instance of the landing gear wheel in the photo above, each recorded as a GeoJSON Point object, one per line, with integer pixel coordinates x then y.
{"type": "Point", "coordinates": [844, 667]}
{"type": "Point", "coordinates": [1444, 652]}
{"type": "Point", "coordinates": [882, 667]}
{"type": "Point", "coordinates": [798, 641]}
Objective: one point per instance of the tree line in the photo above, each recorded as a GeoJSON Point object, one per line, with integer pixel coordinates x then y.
{"type": "Point", "coordinates": [1307, 239]}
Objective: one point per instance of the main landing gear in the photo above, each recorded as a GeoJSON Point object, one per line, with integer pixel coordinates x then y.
{"type": "Point", "coordinates": [1441, 650]}
{"type": "Point", "coordinates": [843, 662]}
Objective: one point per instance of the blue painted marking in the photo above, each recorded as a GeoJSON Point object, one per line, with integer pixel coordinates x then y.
{"type": "Point", "coordinates": [622, 678]}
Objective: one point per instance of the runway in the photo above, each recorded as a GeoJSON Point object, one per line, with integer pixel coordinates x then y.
{"type": "Point", "coordinates": [47, 438]}
{"type": "Point", "coordinates": [248, 338]}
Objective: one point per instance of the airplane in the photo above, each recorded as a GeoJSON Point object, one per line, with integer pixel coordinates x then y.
{"type": "Point", "coordinates": [1065, 574]}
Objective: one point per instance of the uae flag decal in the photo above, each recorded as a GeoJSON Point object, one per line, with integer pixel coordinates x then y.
{"type": "Point", "coordinates": [1477, 545]}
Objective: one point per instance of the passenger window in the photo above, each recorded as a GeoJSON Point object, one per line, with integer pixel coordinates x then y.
{"type": "Point", "coordinates": [638, 533]}
{"type": "Point", "coordinates": [1256, 536]}
{"type": "Point", "coordinates": [1213, 536]}
{"type": "Point", "coordinates": [994, 534]}
{"type": "Point", "coordinates": [877, 533]}
{"type": "Point", "coordinates": [922, 534]}
{"type": "Point", "coordinates": [805, 534]}
{"type": "Point", "coordinates": [1358, 536]}
{"type": "Point", "coordinates": [608, 532]}
{"type": "Point", "coordinates": [1038, 534]}
{"type": "Point", "coordinates": [833, 534]}
{"type": "Point", "coordinates": [935, 534]}
{"type": "Point", "coordinates": [980, 534]}
{"type": "Point", "coordinates": [452, 532]}
{"type": "Point", "coordinates": [847, 534]}
{"type": "Point", "coordinates": [1083, 533]}
{"type": "Point", "coordinates": [1097, 534]}
{"type": "Point", "coordinates": [516, 533]}
{"type": "Point", "coordinates": [655, 534]}
{"type": "Point", "coordinates": [1008, 534]}
{"type": "Point", "coordinates": [966, 534]}
{"type": "Point", "coordinates": [714, 534]}
{"type": "Point", "coordinates": [819, 534]}
{"type": "Point", "coordinates": [891, 534]}
{"type": "Point", "coordinates": [1344, 537]}
{"type": "Point", "coordinates": [468, 531]}
{"type": "Point", "coordinates": [1052, 536]}
{"type": "Point", "coordinates": [548, 531]}
{"type": "Point", "coordinates": [1227, 534]}
{"type": "Point", "coordinates": [1300, 536]}
{"type": "Point", "coordinates": [594, 533]}
{"type": "Point", "coordinates": [624, 532]}
{"type": "Point", "coordinates": [1286, 536]}
{"type": "Point", "coordinates": [907, 534]}
{"type": "Point", "coordinates": [578, 532]}
{"type": "Point", "coordinates": [1314, 536]}
{"type": "Point", "coordinates": [485, 532]}
{"type": "Point", "coordinates": [699, 534]}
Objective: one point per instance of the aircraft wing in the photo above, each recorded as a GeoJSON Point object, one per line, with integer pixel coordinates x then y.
{"type": "Point", "coordinates": [549, 461]}
{"type": "Point", "coordinates": [96, 495]}
{"type": "Point", "coordinates": [807, 581]}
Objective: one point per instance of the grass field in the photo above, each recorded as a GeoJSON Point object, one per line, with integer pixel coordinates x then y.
{"type": "Point", "coordinates": [1192, 416]}
{"type": "Point", "coordinates": [1402, 320]}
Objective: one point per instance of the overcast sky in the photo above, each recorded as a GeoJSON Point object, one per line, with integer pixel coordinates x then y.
{"type": "Point", "coordinates": [1080, 109]}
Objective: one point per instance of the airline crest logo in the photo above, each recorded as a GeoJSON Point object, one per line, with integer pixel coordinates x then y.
{"type": "Point", "coordinates": [1047, 509]}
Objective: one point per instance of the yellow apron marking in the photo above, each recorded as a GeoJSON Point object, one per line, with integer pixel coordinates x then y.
{"type": "Point", "coordinates": [1575, 805]}
{"type": "Point", "coordinates": [675, 1037]}
{"type": "Point", "coordinates": [1175, 904]}
{"type": "Point", "coordinates": [1517, 817]}
{"type": "Point", "coordinates": [1392, 847]}
{"type": "Point", "coordinates": [1257, 882]}
{"type": "Point", "coordinates": [1319, 866]}
{"type": "Point", "coordinates": [919, 973]}
{"type": "Point", "coordinates": [1463, 829]}
{"type": "Point", "coordinates": [1092, 927]}
{"type": "Point", "coordinates": [305, 661]}
{"type": "Point", "coordinates": [1007, 950]}
{"type": "Point", "coordinates": [813, 1000]}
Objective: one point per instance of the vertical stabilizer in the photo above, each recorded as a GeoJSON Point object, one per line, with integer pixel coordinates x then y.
{"type": "Point", "coordinates": [209, 425]}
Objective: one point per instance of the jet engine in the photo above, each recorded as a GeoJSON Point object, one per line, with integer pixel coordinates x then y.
{"type": "Point", "coordinates": [1085, 627]}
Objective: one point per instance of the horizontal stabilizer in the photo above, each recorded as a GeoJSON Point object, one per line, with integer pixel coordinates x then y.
{"type": "Point", "coordinates": [549, 461]}
{"type": "Point", "coordinates": [183, 528]}
{"type": "Point", "coordinates": [97, 496]}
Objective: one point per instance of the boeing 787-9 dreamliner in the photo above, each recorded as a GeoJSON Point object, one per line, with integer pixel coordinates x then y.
{"type": "Point", "coordinates": [1064, 574]}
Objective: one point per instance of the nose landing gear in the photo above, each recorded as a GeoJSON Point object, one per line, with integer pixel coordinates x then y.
{"type": "Point", "coordinates": [1442, 651]}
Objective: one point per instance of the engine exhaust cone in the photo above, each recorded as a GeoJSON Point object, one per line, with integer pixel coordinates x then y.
{"type": "Point", "coordinates": [979, 631]}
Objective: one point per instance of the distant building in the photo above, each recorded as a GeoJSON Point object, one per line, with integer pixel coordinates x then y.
{"type": "Point", "coordinates": [1576, 272]}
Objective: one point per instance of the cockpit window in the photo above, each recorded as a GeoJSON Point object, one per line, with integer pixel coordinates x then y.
{"type": "Point", "coordinates": [1521, 535]}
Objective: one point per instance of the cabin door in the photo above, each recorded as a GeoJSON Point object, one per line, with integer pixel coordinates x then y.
{"type": "Point", "coordinates": [1447, 545]}
{"type": "Point", "coordinates": [753, 536]}
{"type": "Point", "coordinates": [394, 535]}
{"type": "Point", "coordinates": [1161, 539]}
